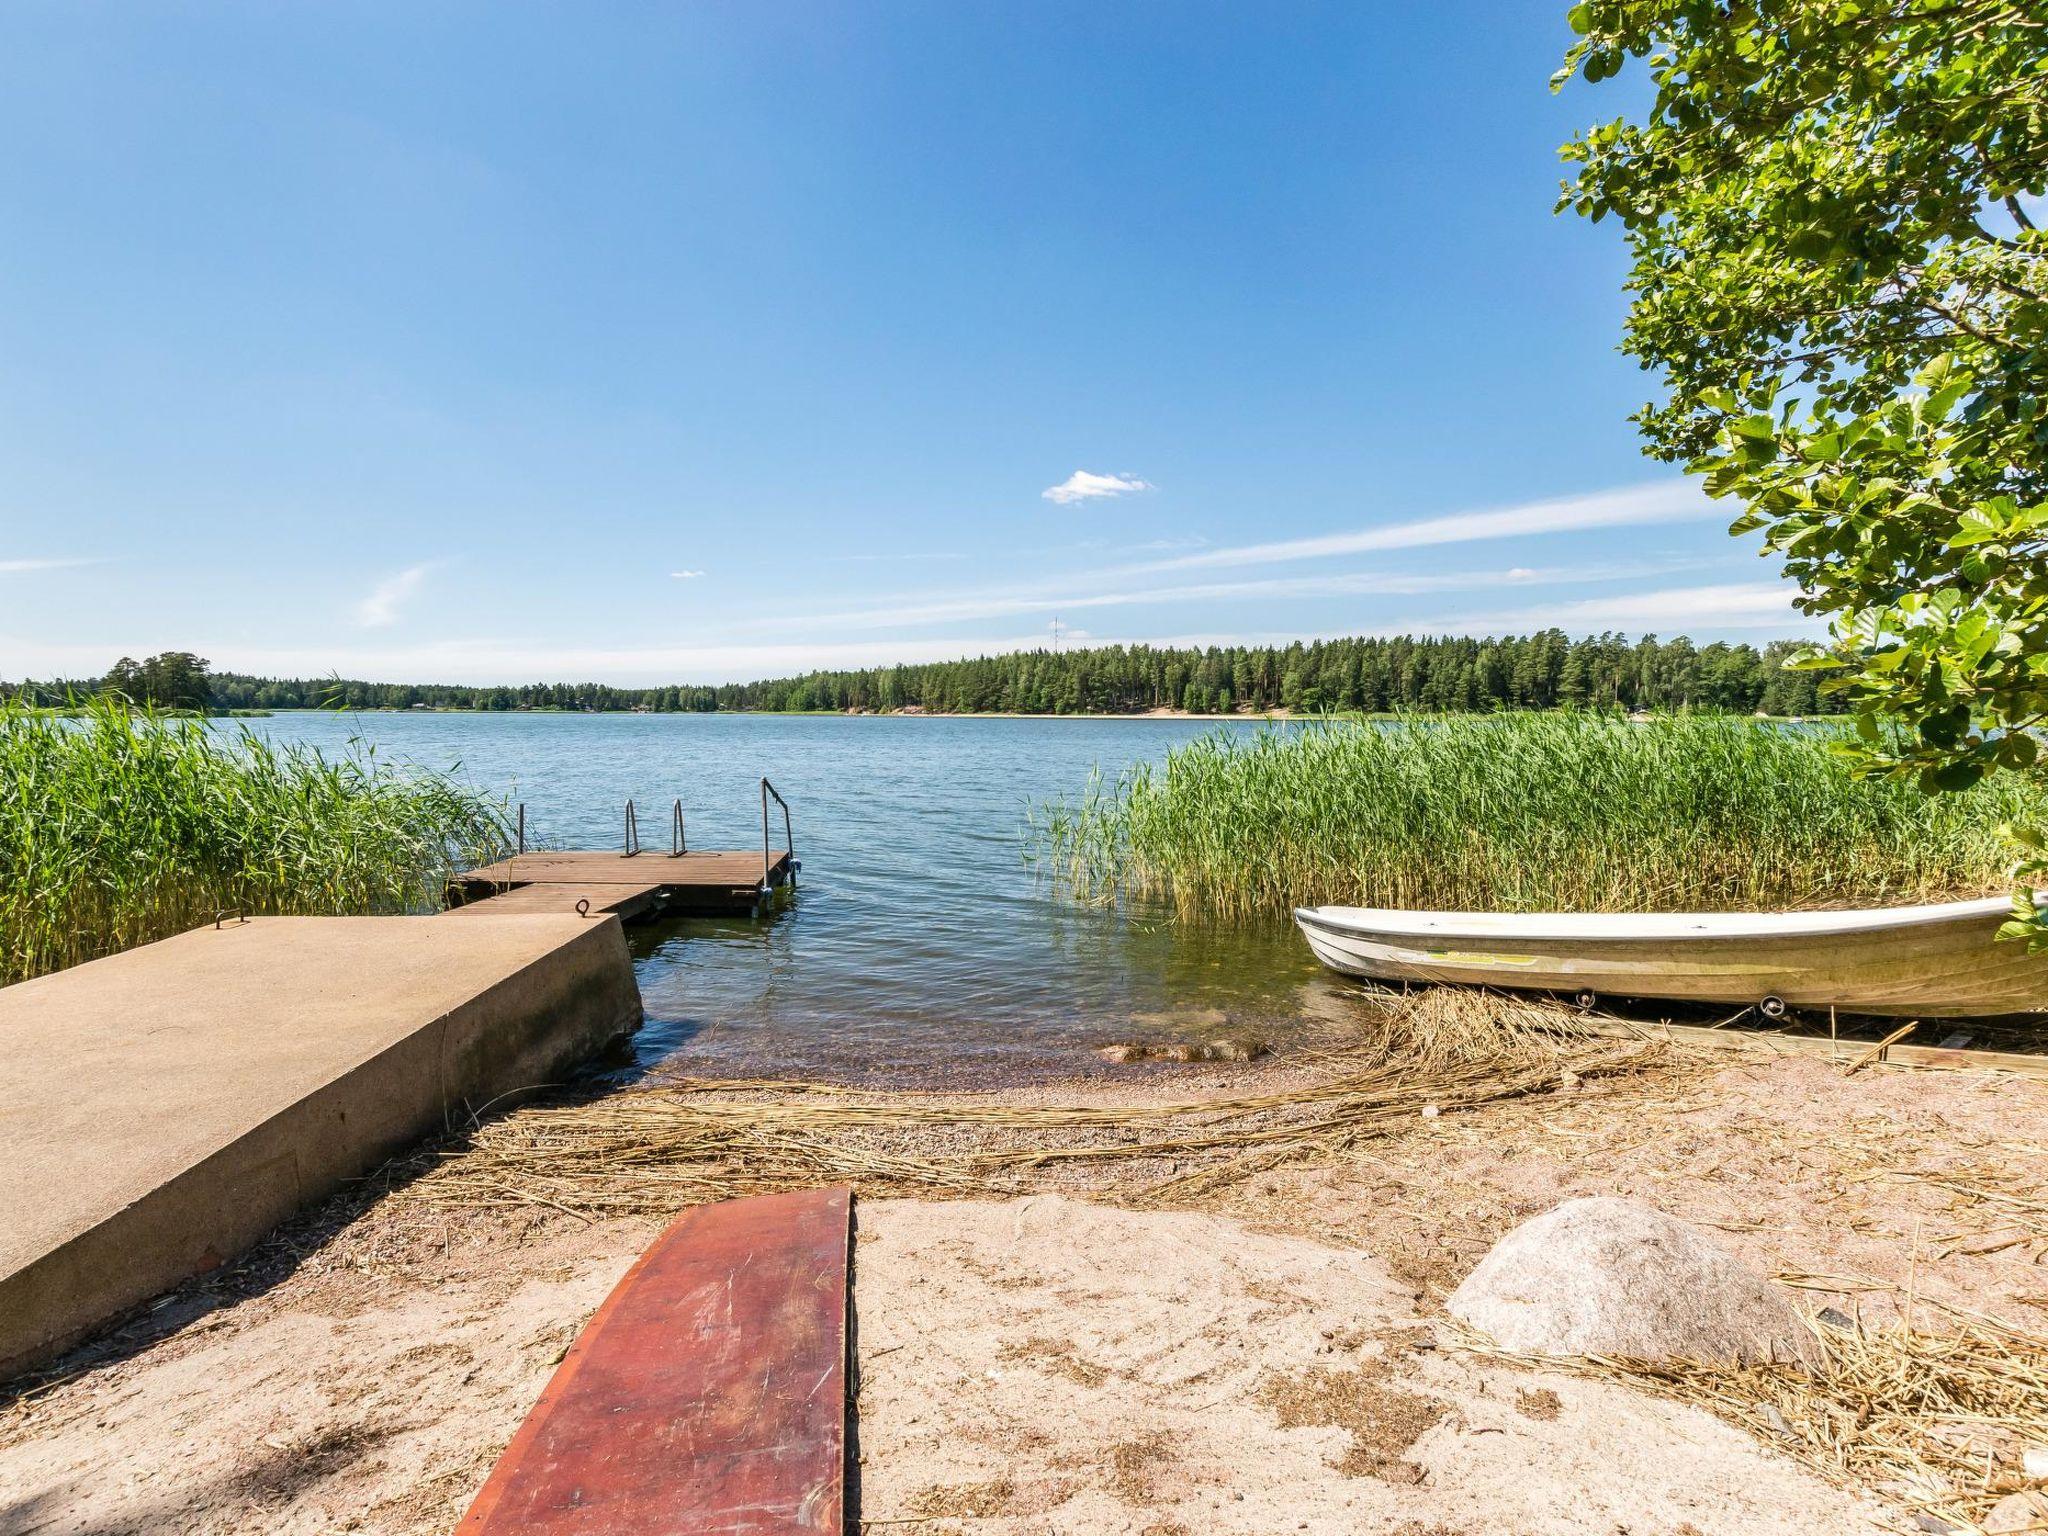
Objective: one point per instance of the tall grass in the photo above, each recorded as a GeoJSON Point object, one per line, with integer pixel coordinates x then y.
{"type": "Point", "coordinates": [1525, 812]}
{"type": "Point", "coordinates": [122, 826]}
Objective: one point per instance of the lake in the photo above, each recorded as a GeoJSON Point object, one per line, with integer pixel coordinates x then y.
{"type": "Point", "coordinates": [921, 945]}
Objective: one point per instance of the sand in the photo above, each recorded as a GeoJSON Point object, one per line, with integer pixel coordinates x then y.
{"type": "Point", "coordinates": [1043, 1365]}
{"type": "Point", "coordinates": [1271, 1361]}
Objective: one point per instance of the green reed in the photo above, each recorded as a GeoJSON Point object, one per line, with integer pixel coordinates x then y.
{"type": "Point", "coordinates": [1572, 812]}
{"type": "Point", "coordinates": [121, 826]}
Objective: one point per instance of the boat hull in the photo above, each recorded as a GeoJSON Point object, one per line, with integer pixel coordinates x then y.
{"type": "Point", "coordinates": [1941, 961]}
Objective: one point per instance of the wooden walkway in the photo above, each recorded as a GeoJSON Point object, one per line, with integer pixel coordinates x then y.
{"type": "Point", "coordinates": [633, 886]}
{"type": "Point", "coordinates": [707, 1395]}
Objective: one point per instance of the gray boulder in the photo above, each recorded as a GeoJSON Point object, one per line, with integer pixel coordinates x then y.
{"type": "Point", "coordinates": [1614, 1277]}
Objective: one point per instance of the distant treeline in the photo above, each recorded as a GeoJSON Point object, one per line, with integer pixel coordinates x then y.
{"type": "Point", "coordinates": [1541, 671]}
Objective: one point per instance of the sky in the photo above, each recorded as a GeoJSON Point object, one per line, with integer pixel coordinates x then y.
{"type": "Point", "coordinates": [702, 342]}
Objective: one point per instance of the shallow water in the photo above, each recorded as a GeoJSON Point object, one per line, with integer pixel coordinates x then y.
{"type": "Point", "coordinates": [921, 945]}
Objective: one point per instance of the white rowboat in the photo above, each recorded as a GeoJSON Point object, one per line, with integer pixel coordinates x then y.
{"type": "Point", "coordinates": [1943, 961]}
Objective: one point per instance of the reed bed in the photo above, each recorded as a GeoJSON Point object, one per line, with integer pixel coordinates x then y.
{"type": "Point", "coordinates": [654, 1149]}
{"type": "Point", "coordinates": [122, 826]}
{"type": "Point", "coordinates": [1571, 812]}
{"type": "Point", "coordinates": [1936, 1418]}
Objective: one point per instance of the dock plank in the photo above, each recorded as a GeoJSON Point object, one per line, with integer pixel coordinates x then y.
{"type": "Point", "coordinates": [628, 901]}
{"type": "Point", "coordinates": [707, 1394]}
{"type": "Point", "coordinates": [710, 868]}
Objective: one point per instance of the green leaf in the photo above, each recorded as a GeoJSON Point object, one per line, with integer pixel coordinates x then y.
{"type": "Point", "coordinates": [1952, 777]}
{"type": "Point", "coordinates": [1839, 347]}
{"type": "Point", "coordinates": [1976, 526]}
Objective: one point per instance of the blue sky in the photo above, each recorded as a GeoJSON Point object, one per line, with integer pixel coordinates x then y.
{"type": "Point", "coordinates": [693, 342]}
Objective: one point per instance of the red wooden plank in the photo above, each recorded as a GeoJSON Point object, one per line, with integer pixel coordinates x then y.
{"type": "Point", "coordinates": [707, 1394]}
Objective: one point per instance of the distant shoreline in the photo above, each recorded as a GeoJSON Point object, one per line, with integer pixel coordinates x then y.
{"type": "Point", "coordinates": [814, 714]}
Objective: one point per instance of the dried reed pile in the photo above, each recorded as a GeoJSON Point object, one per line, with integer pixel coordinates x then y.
{"type": "Point", "coordinates": [1936, 1419]}
{"type": "Point", "coordinates": [657, 1148]}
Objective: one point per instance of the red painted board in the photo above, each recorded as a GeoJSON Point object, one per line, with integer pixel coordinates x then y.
{"type": "Point", "coordinates": [707, 1394]}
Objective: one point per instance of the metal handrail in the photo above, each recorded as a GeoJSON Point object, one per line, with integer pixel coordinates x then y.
{"type": "Point", "coordinates": [788, 835]}
{"type": "Point", "coordinates": [522, 826]}
{"type": "Point", "coordinates": [678, 836]}
{"type": "Point", "coordinates": [632, 832]}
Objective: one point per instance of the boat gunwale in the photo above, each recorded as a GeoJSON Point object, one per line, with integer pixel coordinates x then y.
{"type": "Point", "coordinates": [1643, 927]}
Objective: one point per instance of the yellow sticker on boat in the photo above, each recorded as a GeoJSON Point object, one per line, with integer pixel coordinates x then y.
{"type": "Point", "coordinates": [1467, 957]}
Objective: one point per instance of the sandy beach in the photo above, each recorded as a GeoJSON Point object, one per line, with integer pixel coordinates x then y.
{"type": "Point", "coordinates": [1266, 1351]}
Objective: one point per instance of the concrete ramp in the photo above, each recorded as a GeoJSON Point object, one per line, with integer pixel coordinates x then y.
{"type": "Point", "coordinates": [161, 1109]}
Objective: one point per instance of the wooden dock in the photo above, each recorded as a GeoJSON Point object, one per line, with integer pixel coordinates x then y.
{"type": "Point", "coordinates": [635, 882]}
{"type": "Point", "coordinates": [632, 885]}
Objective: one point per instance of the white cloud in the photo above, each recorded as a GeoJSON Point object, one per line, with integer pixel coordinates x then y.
{"type": "Point", "coordinates": [1662, 502]}
{"type": "Point", "coordinates": [685, 575]}
{"type": "Point", "coordinates": [1083, 486]}
{"type": "Point", "coordinates": [380, 609]}
{"type": "Point", "coordinates": [20, 567]}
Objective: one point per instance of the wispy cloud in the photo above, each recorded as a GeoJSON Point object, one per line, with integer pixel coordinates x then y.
{"type": "Point", "coordinates": [22, 567]}
{"type": "Point", "coordinates": [510, 660]}
{"type": "Point", "coordinates": [685, 575]}
{"type": "Point", "coordinates": [1668, 611]}
{"type": "Point", "coordinates": [1064, 598]}
{"type": "Point", "coordinates": [1125, 583]}
{"type": "Point", "coordinates": [1146, 547]}
{"type": "Point", "coordinates": [1662, 502]}
{"type": "Point", "coordinates": [1734, 608]}
{"type": "Point", "coordinates": [898, 555]}
{"type": "Point", "coordinates": [1083, 486]}
{"type": "Point", "coordinates": [380, 609]}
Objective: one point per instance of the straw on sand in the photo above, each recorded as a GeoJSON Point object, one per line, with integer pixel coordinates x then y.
{"type": "Point", "coordinates": [1936, 1418]}
{"type": "Point", "coordinates": [657, 1148]}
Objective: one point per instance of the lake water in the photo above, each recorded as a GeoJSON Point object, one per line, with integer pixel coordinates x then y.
{"type": "Point", "coordinates": [921, 945]}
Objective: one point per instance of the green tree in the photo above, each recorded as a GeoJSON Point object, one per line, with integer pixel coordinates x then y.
{"type": "Point", "coordinates": [1839, 278]}
{"type": "Point", "coordinates": [172, 680]}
